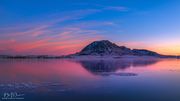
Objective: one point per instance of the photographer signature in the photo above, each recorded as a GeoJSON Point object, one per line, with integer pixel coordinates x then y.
{"type": "Point", "coordinates": [12, 95]}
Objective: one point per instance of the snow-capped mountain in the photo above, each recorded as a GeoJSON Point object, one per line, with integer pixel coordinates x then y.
{"type": "Point", "coordinates": [107, 48]}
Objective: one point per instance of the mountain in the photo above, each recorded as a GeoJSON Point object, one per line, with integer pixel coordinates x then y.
{"type": "Point", "coordinates": [107, 48]}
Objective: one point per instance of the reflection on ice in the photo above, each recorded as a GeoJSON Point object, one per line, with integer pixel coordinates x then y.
{"type": "Point", "coordinates": [109, 67]}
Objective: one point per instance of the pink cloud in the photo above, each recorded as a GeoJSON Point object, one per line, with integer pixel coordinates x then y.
{"type": "Point", "coordinates": [63, 43]}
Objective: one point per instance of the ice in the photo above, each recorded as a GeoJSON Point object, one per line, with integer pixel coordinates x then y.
{"type": "Point", "coordinates": [30, 86]}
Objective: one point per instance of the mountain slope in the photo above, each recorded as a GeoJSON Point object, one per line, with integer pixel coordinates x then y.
{"type": "Point", "coordinates": [143, 52]}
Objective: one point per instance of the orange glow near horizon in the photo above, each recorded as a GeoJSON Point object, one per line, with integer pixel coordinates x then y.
{"type": "Point", "coordinates": [171, 48]}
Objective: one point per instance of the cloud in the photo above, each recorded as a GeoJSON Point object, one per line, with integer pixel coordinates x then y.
{"type": "Point", "coordinates": [101, 7]}
{"type": "Point", "coordinates": [117, 8]}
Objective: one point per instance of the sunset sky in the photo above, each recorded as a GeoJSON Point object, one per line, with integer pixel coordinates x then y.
{"type": "Point", "coordinates": [59, 27]}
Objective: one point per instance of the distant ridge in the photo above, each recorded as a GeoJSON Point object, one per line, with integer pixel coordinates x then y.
{"type": "Point", "coordinates": [100, 48]}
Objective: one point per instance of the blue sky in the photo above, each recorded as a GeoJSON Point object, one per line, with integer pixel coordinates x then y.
{"type": "Point", "coordinates": [66, 26]}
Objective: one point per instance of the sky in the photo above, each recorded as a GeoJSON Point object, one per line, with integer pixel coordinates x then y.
{"type": "Point", "coordinates": [60, 27]}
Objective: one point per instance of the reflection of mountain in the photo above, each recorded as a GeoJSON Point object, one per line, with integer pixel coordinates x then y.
{"type": "Point", "coordinates": [101, 67]}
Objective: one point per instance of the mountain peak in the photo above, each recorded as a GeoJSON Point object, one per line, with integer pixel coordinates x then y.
{"type": "Point", "coordinates": [102, 41]}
